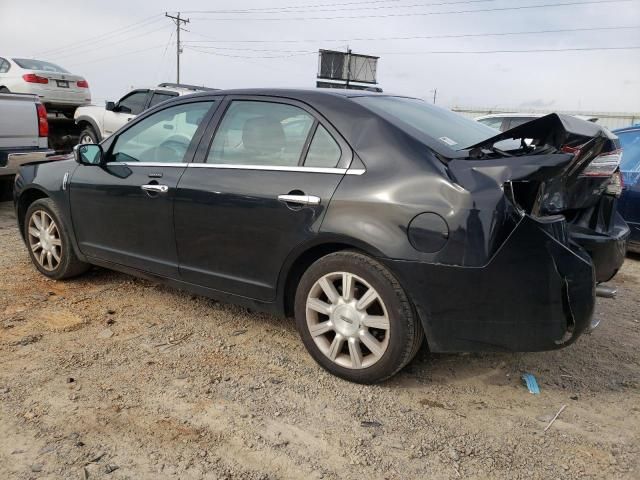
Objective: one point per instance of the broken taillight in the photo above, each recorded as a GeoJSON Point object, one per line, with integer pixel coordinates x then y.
{"type": "Point", "coordinates": [617, 184]}
{"type": "Point", "coordinates": [604, 165]}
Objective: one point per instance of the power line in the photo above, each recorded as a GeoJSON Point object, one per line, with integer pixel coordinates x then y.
{"type": "Point", "coordinates": [436, 52]}
{"type": "Point", "coordinates": [118, 56]}
{"type": "Point", "coordinates": [90, 40]}
{"type": "Point", "coordinates": [164, 53]}
{"type": "Point", "coordinates": [83, 50]}
{"type": "Point", "coordinates": [302, 9]}
{"type": "Point", "coordinates": [212, 47]}
{"type": "Point", "coordinates": [296, 7]}
{"type": "Point", "coordinates": [421, 14]}
{"type": "Point", "coordinates": [258, 57]}
{"type": "Point", "coordinates": [534, 50]}
{"type": "Point", "coordinates": [419, 37]}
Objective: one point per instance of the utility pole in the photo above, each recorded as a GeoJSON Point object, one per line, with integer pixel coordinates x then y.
{"type": "Point", "coordinates": [435, 95]}
{"type": "Point", "coordinates": [348, 66]}
{"type": "Point", "coordinates": [178, 21]}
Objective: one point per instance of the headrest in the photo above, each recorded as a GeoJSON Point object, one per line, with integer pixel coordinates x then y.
{"type": "Point", "coordinates": [263, 134]}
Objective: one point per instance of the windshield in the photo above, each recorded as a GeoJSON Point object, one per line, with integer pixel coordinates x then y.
{"type": "Point", "coordinates": [29, 64]}
{"type": "Point", "coordinates": [452, 129]}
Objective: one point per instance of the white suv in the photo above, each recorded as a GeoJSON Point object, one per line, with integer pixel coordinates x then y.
{"type": "Point", "coordinates": [97, 123]}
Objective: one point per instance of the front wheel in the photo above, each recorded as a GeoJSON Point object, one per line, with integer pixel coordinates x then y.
{"type": "Point", "coordinates": [88, 135]}
{"type": "Point", "coordinates": [355, 319]}
{"type": "Point", "coordinates": [48, 241]}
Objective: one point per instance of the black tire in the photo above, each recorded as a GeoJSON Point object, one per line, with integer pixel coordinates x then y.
{"type": "Point", "coordinates": [88, 132]}
{"type": "Point", "coordinates": [4, 90]}
{"type": "Point", "coordinates": [405, 330]}
{"type": "Point", "coordinates": [69, 265]}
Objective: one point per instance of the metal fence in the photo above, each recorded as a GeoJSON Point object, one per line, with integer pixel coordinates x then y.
{"type": "Point", "coordinates": [611, 120]}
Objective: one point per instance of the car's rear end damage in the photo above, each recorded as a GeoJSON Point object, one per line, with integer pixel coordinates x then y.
{"type": "Point", "coordinates": [538, 229]}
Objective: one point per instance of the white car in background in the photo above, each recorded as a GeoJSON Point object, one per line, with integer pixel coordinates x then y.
{"type": "Point", "coordinates": [97, 123]}
{"type": "Point", "coordinates": [507, 121]}
{"type": "Point", "coordinates": [58, 89]}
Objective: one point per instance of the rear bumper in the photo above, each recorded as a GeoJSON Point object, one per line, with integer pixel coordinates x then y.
{"type": "Point", "coordinates": [536, 293]}
{"type": "Point", "coordinates": [606, 250]}
{"type": "Point", "coordinates": [10, 162]}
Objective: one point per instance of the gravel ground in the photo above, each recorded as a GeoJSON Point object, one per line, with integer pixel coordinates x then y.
{"type": "Point", "coordinates": [107, 376]}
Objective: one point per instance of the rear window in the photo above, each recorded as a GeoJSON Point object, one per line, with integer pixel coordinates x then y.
{"type": "Point", "coordinates": [451, 129]}
{"type": "Point", "coordinates": [29, 64]}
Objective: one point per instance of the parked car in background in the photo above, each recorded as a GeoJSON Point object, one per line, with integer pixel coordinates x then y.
{"type": "Point", "coordinates": [97, 123]}
{"type": "Point", "coordinates": [58, 89]}
{"type": "Point", "coordinates": [629, 204]}
{"type": "Point", "coordinates": [375, 220]}
{"type": "Point", "coordinates": [23, 135]}
{"type": "Point", "coordinates": [506, 121]}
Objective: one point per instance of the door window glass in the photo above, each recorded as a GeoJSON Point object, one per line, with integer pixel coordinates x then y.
{"type": "Point", "coordinates": [261, 133]}
{"type": "Point", "coordinates": [517, 121]}
{"type": "Point", "coordinates": [133, 103]}
{"type": "Point", "coordinates": [324, 151]}
{"type": "Point", "coordinates": [162, 137]}
{"type": "Point", "coordinates": [492, 122]}
{"type": "Point", "coordinates": [159, 97]}
{"type": "Point", "coordinates": [4, 66]}
{"type": "Point", "coordinates": [630, 143]}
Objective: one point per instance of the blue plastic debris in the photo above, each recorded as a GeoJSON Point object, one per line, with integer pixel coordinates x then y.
{"type": "Point", "coordinates": [531, 383]}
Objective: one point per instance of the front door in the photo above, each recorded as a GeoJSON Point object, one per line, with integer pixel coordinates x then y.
{"type": "Point", "coordinates": [127, 108]}
{"type": "Point", "coordinates": [123, 211]}
{"type": "Point", "coordinates": [261, 188]}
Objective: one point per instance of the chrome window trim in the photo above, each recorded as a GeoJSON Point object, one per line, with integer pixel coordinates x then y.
{"type": "Point", "coordinates": [147, 164]}
{"type": "Point", "coordinates": [274, 168]}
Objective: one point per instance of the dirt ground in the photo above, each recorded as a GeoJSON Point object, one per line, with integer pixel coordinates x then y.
{"type": "Point", "coordinates": [108, 376]}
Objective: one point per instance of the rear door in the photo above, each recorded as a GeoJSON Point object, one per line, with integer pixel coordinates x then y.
{"type": "Point", "coordinates": [259, 188]}
{"type": "Point", "coordinates": [123, 212]}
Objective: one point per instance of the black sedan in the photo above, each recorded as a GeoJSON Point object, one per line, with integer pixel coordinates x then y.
{"type": "Point", "coordinates": [375, 220]}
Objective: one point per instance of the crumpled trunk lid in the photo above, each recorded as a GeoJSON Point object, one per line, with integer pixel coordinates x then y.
{"type": "Point", "coordinates": [564, 147]}
{"type": "Point", "coordinates": [567, 171]}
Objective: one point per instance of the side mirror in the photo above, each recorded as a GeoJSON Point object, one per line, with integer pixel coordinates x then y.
{"type": "Point", "coordinates": [88, 154]}
{"type": "Point", "coordinates": [110, 106]}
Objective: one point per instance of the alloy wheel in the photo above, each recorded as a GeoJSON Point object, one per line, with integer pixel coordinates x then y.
{"type": "Point", "coordinates": [86, 139]}
{"type": "Point", "coordinates": [348, 320]}
{"type": "Point", "coordinates": [44, 240]}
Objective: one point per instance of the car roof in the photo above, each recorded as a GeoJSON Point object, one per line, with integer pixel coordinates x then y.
{"type": "Point", "coordinates": [299, 93]}
{"type": "Point", "coordinates": [510, 115]}
{"type": "Point", "coordinates": [630, 128]}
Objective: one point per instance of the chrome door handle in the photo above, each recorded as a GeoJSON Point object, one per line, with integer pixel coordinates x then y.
{"type": "Point", "coordinates": [300, 199]}
{"type": "Point", "coordinates": [155, 188]}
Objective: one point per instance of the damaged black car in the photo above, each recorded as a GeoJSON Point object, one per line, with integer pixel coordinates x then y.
{"type": "Point", "coordinates": [379, 222]}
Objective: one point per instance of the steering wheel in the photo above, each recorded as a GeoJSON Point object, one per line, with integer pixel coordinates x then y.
{"type": "Point", "coordinates": [173, 147]}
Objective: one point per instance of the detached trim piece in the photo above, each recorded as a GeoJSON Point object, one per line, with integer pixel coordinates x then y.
{"type": "Point", "coordinates": [340, 171]}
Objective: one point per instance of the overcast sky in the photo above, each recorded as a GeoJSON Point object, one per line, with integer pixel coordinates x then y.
{"type": "Point", "coordinates": [117, 44]}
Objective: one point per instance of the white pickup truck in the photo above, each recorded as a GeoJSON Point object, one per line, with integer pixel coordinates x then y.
{"type": "Point", "coordinates": [23, 135]}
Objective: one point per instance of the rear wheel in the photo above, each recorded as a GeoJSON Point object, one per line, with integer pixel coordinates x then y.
{"type": "Point", "coordinates": [48, 242]}
{"type": "Point", "coordinates": [4, 90]}
{"type": "Point", "coordinates": [355, 319]}
{"type": "Point", "coordinates": [88, 135]}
